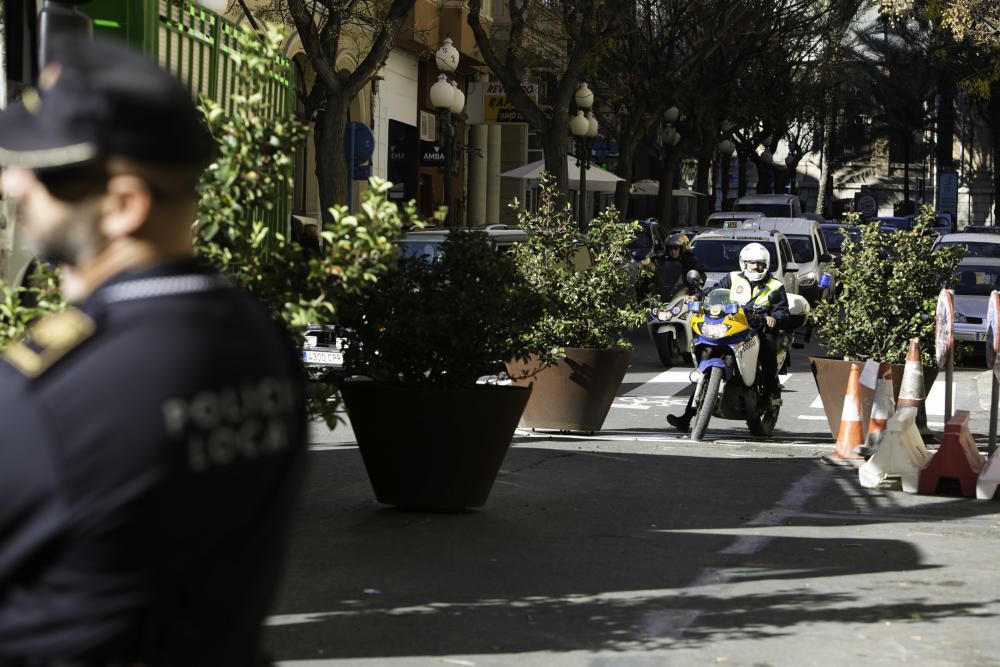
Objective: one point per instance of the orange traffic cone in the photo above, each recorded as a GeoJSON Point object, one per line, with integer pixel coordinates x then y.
{"type": "Point", "coordinates": [882, 411]}
{"type": "Point", "coordinates": [911, 389]}
{"type": "Point", "coordinates": [851, 433]}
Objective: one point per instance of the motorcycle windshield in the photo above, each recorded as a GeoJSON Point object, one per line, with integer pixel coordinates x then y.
{"type": "Point", "coordinates": [718, 297]}
{"type": "Point", "coordinates": [668, 278]}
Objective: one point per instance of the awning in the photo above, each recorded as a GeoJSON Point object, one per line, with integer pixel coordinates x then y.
{"type": "Point", "coordinates": [598, 180]}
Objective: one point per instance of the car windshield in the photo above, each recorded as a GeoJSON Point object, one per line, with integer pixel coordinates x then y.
{"type": "Point", "coordinates": [769, 210]}
{"type": "Point", "coordinates": [724, 254]}
{"type": "Point", "coordinates": [835, 237]}
{"type": "Point", "coordinates": [977, 280]}
{"type": "Point", "coordinates": [420, 248]}
{"type": "Point", "coordinates": [977, 249]}
{"type": "Point", "coordinates": [802, 248]}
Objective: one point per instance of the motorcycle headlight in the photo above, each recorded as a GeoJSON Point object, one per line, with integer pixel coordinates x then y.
{"type": "Point", "coordinates": [663, 315]}
{"type": "Point", "coordinates": [676, 310]}
{"type": "Point", "coordinates": [719, 330]}
{"type": "Point", "coordinates": [960, 318]}
{"type": "Point", "coordinates": [807, 279]}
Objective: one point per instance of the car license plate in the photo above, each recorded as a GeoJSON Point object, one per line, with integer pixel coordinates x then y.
{"type": "Point", "coordinates": [326, 358]}
{"type": "Point", "coordinates": [980, 336]}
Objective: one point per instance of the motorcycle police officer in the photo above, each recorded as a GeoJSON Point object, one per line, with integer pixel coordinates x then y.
{"type": "Point", "coordinates": [759, 292]}
{"type": "Point", "coordinates": [154, 433]}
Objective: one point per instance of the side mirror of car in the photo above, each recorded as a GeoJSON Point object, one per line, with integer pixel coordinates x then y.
{"type": "Point", "coordinates": [825, 258]}
{"type": "Point", "coordinates": [693, 278]}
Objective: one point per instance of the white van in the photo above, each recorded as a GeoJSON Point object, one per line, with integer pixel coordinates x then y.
{"type": "Point", "coordinates": [719, 251]}
{"type": "Point", "coordinates": [805, 236]}
{"type": "Point", "coordinates": [785, 206]}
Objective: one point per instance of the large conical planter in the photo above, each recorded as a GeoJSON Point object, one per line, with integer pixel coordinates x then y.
{"type": "Point", "coordinates": [831, 379]}
{"type": "Point", "coordinates": [576, 393]}
{"type": "Point", "coordinates": [427, 447]}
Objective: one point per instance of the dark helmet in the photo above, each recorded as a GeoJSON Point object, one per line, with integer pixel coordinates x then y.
{"type": "Point", "coordinates": [677, 241]}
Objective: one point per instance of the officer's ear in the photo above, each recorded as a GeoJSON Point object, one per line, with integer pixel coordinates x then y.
{"type": "Point", "coordinates": [127, 203]}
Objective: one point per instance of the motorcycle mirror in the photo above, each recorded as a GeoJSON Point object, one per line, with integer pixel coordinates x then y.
{"type": "Point", "coordinates": [694, 306]}
{"type": "Point", "coordinates": [693, 278]}
{"type": "Point", "coordinates": [732, 309]}
{"type": "Point", "coordinates": [825, 280]}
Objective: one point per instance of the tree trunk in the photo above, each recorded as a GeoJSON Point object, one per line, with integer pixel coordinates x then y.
{"type": "Point", "coordinates": [907, 141]}
{"type": "Point", "coordinates": [331, 171]}
{"type": "Point", "coordinates": [741, 174]}
{"type": "Point", "coordinates": [626, 160]}
{"type": "Point", "coordinates": [701, 180]}
{"type": "Point", "coordinates": [826, 173]}
{"type": "Point", "coordinates": [994, 112]}
{"type": "Point", "coordinates": [946, 127]}
{"type": "Point", "coordinates": [555, 142]}
{"type": "Point", "coordinates": [671, 159]}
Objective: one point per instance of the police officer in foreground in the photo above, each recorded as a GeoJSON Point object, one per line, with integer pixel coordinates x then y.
{"type": "Point", "coordinates": [153, 437]}
{"type": "Point", "coordinates": [758, 292]}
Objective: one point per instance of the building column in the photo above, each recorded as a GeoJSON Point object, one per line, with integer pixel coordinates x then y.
{"type": "Point", "coordinates": [477, 175]}
{"type": "Point", "coordinates": [493, 174]}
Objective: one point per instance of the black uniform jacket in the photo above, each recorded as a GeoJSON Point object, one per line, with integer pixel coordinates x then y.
{"type": "Point", "coordinates": [151, 449]}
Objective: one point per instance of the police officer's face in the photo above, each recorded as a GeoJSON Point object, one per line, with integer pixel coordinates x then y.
{"type": "Point", "coordinates": [55, 229]}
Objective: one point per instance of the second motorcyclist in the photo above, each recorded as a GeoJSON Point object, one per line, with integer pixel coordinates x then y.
{"type": "Point", "coordinates": [675, 264]}
{"type": "Point", "coordinates": [759, 292]}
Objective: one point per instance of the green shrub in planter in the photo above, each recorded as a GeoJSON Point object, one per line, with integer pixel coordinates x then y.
{"type": "Point", "coordinates": [889, 284]}
{"type": "Point", "coordinates": [586, 301]}
{"type": "Point", "coordinates": [445, 322]}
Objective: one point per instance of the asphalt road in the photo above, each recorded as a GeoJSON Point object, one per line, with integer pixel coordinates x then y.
{"type": "Point", "coordinates": [636, 547]}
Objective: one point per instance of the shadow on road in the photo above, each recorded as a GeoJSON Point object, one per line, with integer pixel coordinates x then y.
{"type": "Point", "coordinates": [589, 550]}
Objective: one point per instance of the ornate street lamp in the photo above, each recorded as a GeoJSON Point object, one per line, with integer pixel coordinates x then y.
{"type": "Point", "coordinates": [447, 99]}
{"type": "Point", "coordinates": [584, 127]}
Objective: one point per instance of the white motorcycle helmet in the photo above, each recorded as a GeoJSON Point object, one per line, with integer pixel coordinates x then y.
{"type": "Point", "coordinates": [751, 258]}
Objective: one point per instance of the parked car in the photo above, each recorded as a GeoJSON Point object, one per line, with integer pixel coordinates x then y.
{"type": "Point", "coordinates": [904, 223]}
{"type": "Point", "coordinates": [977, 244]}
{"type": "Point", "coordinates": [323, 348]}
{"type": "Point", "coordinates": [977, 278]}
{"type": "Point", "coordinates": [809, 252]}
{"type": "Point", "coordinates": [817, 217]}
{"type": "Point", "coordinates": [719, 251]}
{"type": "Point", "coordinates": [772, 206]}
{"type": "Point", "coordinates": [835, 233]}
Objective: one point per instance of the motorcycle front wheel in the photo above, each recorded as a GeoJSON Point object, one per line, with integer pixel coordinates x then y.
{"type": "Point", "coordinates": [707, 403]}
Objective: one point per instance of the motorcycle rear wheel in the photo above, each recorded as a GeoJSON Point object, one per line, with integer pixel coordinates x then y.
{"type": "Point", "coordinates": [761, 422]}
{"type": "Point", "coordinates": [707, 403]}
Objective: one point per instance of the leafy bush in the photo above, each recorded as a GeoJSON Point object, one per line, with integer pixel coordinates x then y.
{"type": "Point", "coordinates": [447, 321]}
{"type": "Point", "coordinates": [251, 170]}
{"type": "Point", "coordinates": [889, 285]}
{"type": "Point", "coordinates": [587, 302]}
{"type": "Point", "coordinates": [20, 306]}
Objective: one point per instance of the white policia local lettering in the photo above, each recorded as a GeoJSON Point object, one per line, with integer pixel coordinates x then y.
{"type": "Point", "coordinates": [226, 424]}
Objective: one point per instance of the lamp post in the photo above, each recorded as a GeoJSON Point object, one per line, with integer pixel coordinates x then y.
{"type": "Point", "coordinates": [447, 99]}
{"type": "Point", "coordinates": [726, 150]}
{"type": "Point", "coordinates": [584, 128]}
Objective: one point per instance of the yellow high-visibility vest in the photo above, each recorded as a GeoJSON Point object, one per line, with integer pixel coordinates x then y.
{"type": "Point", "coordinates": [742, 293]}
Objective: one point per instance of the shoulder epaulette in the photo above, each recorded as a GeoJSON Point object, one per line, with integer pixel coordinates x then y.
{"type": "Point", "coordinates": [48, 340]}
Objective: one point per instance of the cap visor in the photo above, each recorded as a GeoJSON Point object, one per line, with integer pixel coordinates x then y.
{"type": "Point", "coordinates": [26, 141]}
